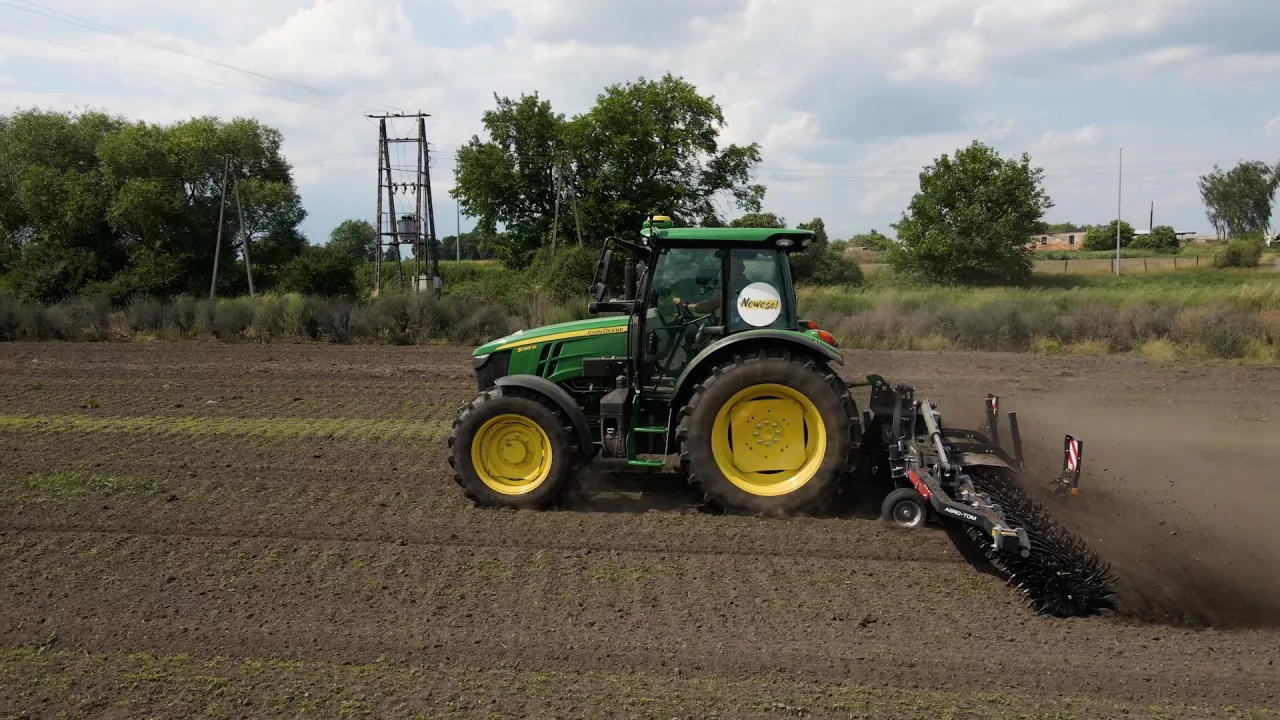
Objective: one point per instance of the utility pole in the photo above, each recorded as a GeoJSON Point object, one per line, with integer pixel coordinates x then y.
{"type": "Point", "coordinates": [217, 244]}
{"type": "Point", "coordinates": [457, 239]}
{"type": "Point", "coordinates": [423, 231]}
{"type": "Point", "coordinates": [244, 240]}
{"type": "Point", "coordinates": [577, 221]}
{"type": "Point", "coordinates": [1119, 209]}
{"type": "Point", "coordinates": [1151, 222]}
{"type": "Point", "coordinates": [555, 219]}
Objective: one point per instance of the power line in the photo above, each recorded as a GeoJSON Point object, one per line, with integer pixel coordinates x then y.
{"type": "Point", "coordinates": [106, 29]}
{"type": "Point", "coordinates": [174, 72]}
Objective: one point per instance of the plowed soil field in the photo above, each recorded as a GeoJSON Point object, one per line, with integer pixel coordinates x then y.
{"type": "Point", "coordinates": [191, 530]}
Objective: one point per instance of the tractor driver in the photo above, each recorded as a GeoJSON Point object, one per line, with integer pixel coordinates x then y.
{"type": "Point", "coordinates": [737, 279]}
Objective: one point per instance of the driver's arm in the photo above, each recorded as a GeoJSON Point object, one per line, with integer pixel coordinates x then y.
{"type": "Point", "coordinates": [702, 307]}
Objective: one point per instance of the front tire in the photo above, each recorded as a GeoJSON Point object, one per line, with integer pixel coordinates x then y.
{"type": "Point", "coordinates": [512, 449]}
{"type": "Point", "coordinates": [768, 435]}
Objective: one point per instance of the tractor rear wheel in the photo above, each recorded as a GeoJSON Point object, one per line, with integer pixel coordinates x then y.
{"type": "Point", "coordinates": [514, 449]}
{"type": "Point", "coordinates": [768, 434]}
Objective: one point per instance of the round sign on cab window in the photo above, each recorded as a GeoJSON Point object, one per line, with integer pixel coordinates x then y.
{"type": "Point", "coordinates": [759, 304]}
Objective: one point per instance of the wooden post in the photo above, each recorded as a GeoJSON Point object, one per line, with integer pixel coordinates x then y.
{"type": "Point", "coordinates": [555, 218]}
{"type": "Point", "coordinates": [1144, 265]}
{"type": "Point", "coordinates": [244, 241]}
{"type": "Point", "coordinates": [217, 245]}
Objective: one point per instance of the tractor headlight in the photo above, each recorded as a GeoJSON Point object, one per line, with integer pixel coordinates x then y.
{"type": "Point", "coordinates": [784, 242]}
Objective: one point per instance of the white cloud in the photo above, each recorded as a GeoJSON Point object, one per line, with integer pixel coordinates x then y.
{"type": "Point", "coordinates": [848, 99]}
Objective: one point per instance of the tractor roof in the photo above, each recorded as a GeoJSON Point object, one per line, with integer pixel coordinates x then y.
{"type": "Point", "coordinates": [660, 228]}
{"type": "Point", "coordinates": [746, 235]}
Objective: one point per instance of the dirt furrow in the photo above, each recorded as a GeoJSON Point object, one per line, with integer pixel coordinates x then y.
{"type": "Point", "coordinates": [878, 623]}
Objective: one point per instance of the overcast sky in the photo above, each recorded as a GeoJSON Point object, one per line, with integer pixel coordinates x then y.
{"type": "Point", "coordinates": [848, 98]}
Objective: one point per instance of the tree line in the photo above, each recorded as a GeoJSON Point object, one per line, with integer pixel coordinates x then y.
{"type": "Point", "coordinates": [95, 204]}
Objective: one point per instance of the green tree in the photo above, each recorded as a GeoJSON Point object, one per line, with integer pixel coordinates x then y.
{"type": "Point", "coordinates": [971, 220]}
{"type": "Point", "coordinates": [818, 228]}
{"type": "Point", "coordinates": [509, 179]}
{"type": "Point", "coordinates": [874, 240]}
{"type": "Point", "coordinates": [101, 204]}
{"type": "Point", "coordinates": [357, 239]}
{"type": "Point", "coordinates": [321, 270]}
{"type": "Point", "coordinates": [1060, 227]}
{"type": "Point", "coordinates": [759, 220]}
{"type": "Point", "coordinates": [1238, 201]}
{"type": "Point", "coordinates": [653, 146]}
{"type": "Point", "coordinates": [1161, 238]}
{"type": "Point", "coordinates": [645, 147]}
{"type": "Point", "coordinates": [1103, 237]}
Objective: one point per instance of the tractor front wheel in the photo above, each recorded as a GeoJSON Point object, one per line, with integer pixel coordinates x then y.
{"type": "Point", "coordinates": [768, 435]}
{"type": "Point", "coordinates": [513, 449]}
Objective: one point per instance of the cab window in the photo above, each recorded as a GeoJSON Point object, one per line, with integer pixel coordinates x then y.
{"type": "Point", "coordinates": [758, 291]}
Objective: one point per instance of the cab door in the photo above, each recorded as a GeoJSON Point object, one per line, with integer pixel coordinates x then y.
{"type": "Point", "coordinates": [670, 337]}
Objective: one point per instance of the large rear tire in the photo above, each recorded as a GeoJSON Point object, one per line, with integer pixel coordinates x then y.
{"type": "Point", "coordinates": [512, 449]}
{"type": "Point", "coordinates": [768, 434]}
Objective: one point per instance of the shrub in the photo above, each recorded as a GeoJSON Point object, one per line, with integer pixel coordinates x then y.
{"type": "Point", "coordinates": [1243, 253]}
{"type": "Point", "coordinates": [323, 271]}
{"type": "Point", "coordinates": [9, 318]}
{"type": "Point", "coordinates": [230, 318]}
{"type": "Point", "coordinates": [326, 319]}
{"type": "Point", "coordinates": [567, 274]}
{"type": "Point", "coordinates": [1161, 238]}
{"type": "Point", "coordinates": [272, 318]}
{"type": "Point", "coordinates": [79, 319]}
{"type": "Point", "coordinates": [145, 314]}
{"type": "Point", "coordinates": [478, 322]}
{"type": "Point", "coordinates": [822, 265]}
{"type": "Point", "coordinates": [181, 316]}
{"type": "Point", "coordinates": [1103, 237]}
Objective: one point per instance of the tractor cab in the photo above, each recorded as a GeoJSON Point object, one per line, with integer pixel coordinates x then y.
{"type": "Point", "coordinates": [689, 288]}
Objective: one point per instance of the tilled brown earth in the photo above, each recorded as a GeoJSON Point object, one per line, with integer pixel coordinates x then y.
{"type": "Point", "coordinates": [246, 531]}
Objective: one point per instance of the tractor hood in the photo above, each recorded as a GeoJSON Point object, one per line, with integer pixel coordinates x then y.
{"type": "Point", "coordinates": [562, 331]}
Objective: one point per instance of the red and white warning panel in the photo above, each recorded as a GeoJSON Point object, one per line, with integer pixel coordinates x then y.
{"type": "Point", "coordinates": [1073, 450]}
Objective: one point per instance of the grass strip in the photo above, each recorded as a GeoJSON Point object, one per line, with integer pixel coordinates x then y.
{"type": "Point", "coordinates": [41, 680]}
{"type": "Point", "coordinates": [271, 428]}
{"type": "Point", "coordinates": [65, 487]}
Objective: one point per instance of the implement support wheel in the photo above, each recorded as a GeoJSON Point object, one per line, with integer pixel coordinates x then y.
{"type": "Point", "coordinates": [905, 509]}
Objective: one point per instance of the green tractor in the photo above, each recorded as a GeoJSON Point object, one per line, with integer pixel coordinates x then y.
{"type": "Point", "coordinates": [705, 357]}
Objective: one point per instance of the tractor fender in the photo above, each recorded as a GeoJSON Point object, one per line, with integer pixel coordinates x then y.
{"type": "Point", "coordinates": [561, 398]}
{"type": "Point", "coordinates": [791, 340]}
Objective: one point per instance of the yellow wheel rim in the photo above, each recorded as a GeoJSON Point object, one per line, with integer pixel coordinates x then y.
{"type": "Point", "coordinates": [511, 454]}
{"type": "Point", "coordinates": [769, 440]}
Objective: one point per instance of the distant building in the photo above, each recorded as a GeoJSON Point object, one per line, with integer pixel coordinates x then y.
{"type": "Point", "coordinates": [1056, 241]}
